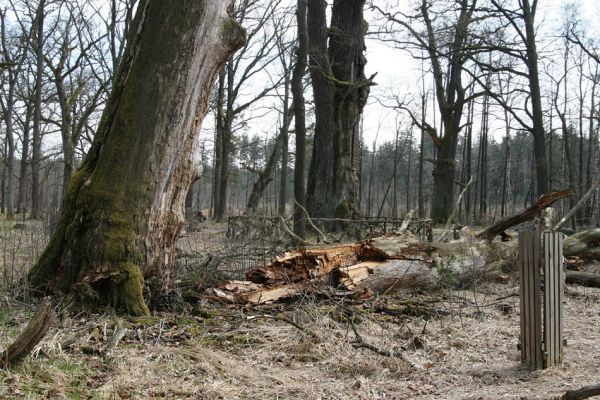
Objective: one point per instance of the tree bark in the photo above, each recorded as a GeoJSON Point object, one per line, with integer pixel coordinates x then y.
{"type": "Point", "coordinates": [123, 209]}
{"type": "Point", "coordinates": [340, 91]}
{"type": "Point", "coordinates": [539, 147]}
{"type": "Point", "coordinates": [36, 156]}
{"type": "Point", "coordinates": [22, 198]}
{"type": "Point", "coordinates": [319, 191]}
{"type": "Point", "coordinates": [300, 121]}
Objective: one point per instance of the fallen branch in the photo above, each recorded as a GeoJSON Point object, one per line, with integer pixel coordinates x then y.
{"type": "Point", "coordinates": [33, 333]}
{"type": "Point", "coordinates": [312, 224]}
{"type": "Point", "coordinates": [307, 331]}
{"type": "Point", "coordinates": [580, 203]}
{"type": "Point", "coordinates": [583, 393]}
{"type": "Point", "coordinates": [293, 235]}
{"type": "Point", "coordinates": [359, 343]}
{"type": "Point", "coordinates": [530, 213]}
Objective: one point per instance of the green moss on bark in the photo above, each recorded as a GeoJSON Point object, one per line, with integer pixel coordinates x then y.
{"type": "Point", "coordinates": [131, 288]}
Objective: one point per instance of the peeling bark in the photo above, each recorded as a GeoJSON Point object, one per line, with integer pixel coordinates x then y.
{"type": "Point", "coordinates": [123, 209]}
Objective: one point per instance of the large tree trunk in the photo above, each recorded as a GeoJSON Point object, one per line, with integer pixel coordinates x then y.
{"type": "Point", "coordinates": [346, 45]}
{"type": "Point", "coordinates": [319, 191]}
{"type": "Point", "coordinates": [340, 91]}
{"type": "Point", "coordinates": [123, 209]}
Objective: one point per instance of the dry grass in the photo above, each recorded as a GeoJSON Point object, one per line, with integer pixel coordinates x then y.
{"type": "Point", "coordinates": [460, 350]}
{"type": "Point", "coordinates": [447, 345]}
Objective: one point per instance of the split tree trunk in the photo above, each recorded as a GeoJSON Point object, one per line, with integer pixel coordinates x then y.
{"type": "Point", "coordinates": [123, 209]}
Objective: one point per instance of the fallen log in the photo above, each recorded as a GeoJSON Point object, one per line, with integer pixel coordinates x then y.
{"type": "Point", "coordinates": [584, 244]}
{"type": "Point", "coordinates": [33, 333]}
{"type": "Point", "coordinates": [584, 393]}
{"type": "Point", "coordinates": [530, 213]}
{"type": "Point", "coordinates": [381, 265]}
{"type": "Point", "coordinates": [583, 278]}
{"type": "Point", "coordinates": [305, 264]}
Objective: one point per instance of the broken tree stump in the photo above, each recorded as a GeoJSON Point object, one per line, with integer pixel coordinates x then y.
{"type": "Point", "coordinates": [33, 333]}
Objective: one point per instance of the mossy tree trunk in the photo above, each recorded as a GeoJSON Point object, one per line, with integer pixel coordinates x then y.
{"type": "Point", "coordinates": [123, 210]}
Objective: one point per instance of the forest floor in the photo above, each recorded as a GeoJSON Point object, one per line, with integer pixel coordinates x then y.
{"type": "Point", "coordinates": [446, 344]}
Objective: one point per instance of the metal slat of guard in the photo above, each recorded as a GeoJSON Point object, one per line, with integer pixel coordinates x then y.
{"type": "Point", "coordinates": [553, 293]}
{"type": "Point", "coordinates": [530, 299]}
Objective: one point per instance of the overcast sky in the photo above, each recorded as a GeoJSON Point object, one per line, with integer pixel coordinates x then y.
{"type": "Point", "coordinates": [398, 73]}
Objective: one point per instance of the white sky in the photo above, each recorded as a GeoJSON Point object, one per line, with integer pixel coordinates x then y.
{"type": "Point", "coordinates": [400, 74]}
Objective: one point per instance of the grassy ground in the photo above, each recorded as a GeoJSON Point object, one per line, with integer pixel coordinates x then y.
{"type": "Point", "coordinates": [443, 345]}
{"type": "Point", "coordinates": [448, 345]}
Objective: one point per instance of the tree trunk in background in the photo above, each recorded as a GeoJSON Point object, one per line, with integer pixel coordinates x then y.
{"type": "Point", "coordinates": [505, 169]}
{"type": "Point", "coordinates": [319, 191]}
{"type": "Point", "coordinates": [22, 199]}
{"type": "Point", "coordinates": [420, 198]}
{"type": "Point", "coordinates": [284, 132]}
{"type": "Point", "coordinates": [450, 96]}
{"type": "Point", "coordinates": [340, 91]}
{"type": "Point", "coordinates": [408, 172]}
{"type": "Point", "coordinates": [539, 147]}
{"type": "Point", "coordinates": [123, 209]}
{"type": "Point", "coordinates": [468, 160]}
{"type": "Point", "coordinates": [483, 160]}
{"type": "Point", "coordinates": [219, 115]}
{"type": "Point", "coordinates": [226, 144]}
{"type": "Point", "coordinates": [300, 120]}
{"type": "Point", "coordinates": [591, 146]}
{"type": "Point", "coordinates": [346, 47]}
{"type": "Point", "coordinates": [36, 156]}
{"type": "Point", "coordinates": [266, 175]}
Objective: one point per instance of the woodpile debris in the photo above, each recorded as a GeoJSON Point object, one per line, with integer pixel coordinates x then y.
{"type": "Point", "coordinates": [403, 260]}
{"type": "Point", "coordinates": [381, 265]}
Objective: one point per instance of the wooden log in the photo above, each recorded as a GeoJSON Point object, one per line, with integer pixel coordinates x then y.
{"type": "Point", "coordinates": [530, 213]}
{"type": "Point", "coordinates": [305, 264]}
{"type": "Point", "coordinates": [584, 244]}
{"type": "Point", "coordinates": [583, 393]}
{"type": "Point", "coordinates": [33, 333]}
{"type": "Point", "coordinates": [583, 278]}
